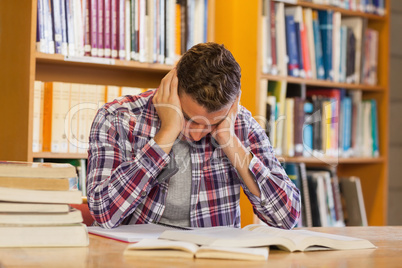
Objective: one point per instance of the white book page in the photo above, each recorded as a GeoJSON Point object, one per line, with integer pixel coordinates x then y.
{"type": "Point", "coordinates": [130, 233]}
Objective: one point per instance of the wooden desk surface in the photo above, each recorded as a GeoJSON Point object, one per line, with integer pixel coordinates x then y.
{"type": "Point", "coordinates": [104, 252]}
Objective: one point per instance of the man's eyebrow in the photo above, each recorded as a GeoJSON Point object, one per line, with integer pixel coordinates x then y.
{"type": "Point", "coordinates": [188, 118]}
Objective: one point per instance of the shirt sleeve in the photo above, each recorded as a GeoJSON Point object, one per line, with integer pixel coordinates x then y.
{"type": "Point", "coordinates": [279, 204]}
{"type": "Point", "coordinates": [118, 181]}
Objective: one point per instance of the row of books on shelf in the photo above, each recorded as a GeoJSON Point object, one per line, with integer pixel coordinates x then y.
{"type": "Point", "coordinates": [320, 122]}
{"type": "Point", "coordinates": [367, 6]}
{"type": "Point", "coordinates": [154, 31]}
{"type": "Point", "coordinates": [63, 113]}
{"type": "Point", "coordinates": [327, 200]}
{"type": "Point", "coordinates": [306, 43]}
{"type": "Point", "coordinates": [36, 206]}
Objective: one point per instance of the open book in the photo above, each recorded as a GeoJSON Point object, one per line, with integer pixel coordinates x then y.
{"type": "Point", "coordinates": [256, 235]}
{"type": "Point", "coordinates": [147, 248]}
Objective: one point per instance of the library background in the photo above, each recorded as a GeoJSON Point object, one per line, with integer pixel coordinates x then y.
{"type": "Point", "coordinates": [321, 76]}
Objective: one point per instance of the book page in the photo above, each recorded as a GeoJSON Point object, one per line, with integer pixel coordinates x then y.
{"type": "Point", "coordinates": [130, 233]}
{"type": "Point", "coordinates": [226, 237]}
{"type": "Point", "coordinates": [304, 239]}
{"type": "Point", "coordinates": [161, 248]}
{"type": "Point", "coordinates": [251, 254]}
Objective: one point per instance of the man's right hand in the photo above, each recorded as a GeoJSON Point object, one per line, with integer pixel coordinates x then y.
{"type": "Point", "coordinates": [167, 104]}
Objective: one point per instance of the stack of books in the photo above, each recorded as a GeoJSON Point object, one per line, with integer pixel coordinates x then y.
{"type": "Point", "coordinates": [34, 206]}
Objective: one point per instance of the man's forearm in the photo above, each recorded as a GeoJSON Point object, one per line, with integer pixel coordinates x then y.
{"type": "Point", "coordinates": [240, 158]}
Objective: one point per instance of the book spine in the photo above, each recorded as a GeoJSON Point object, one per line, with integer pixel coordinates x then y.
{"type": "Point", "coordinates": [326, 28]}
{"type": "Point", "coordinates": [113, 28]}
{"type": "Point", "coordinates": [63, 18]}
{"type": "Point", "coordinates": [121, 43]}
{"type": "Point", "coordinates": [93, 27]}
{"type": "Point", "coordinates": [141, 32]}
{"type": "Point", "coordinates": [70, 27]}
{"type": "Point", "coordinates": [47, 116]}
{"type": "Point", "coordinates": [293, 65]}
{"type": "Point", "coordinates": [87, 30]}
{"type": "Point", "coordinates": [298, 125]}
{"type": "Point", "coordinates": [106, 28]}
{"type": "Point", "coordinates": [127, 27]}
{"type": "Point", "coordinates": [41, 37]}
{"type": "Point", "coordinates": [48, 27]}
{"type": "Point", "coordinates": [374, 128]}
{"type": "Point", "coordinates": [57, 25]}
{"type": "Point", "coordinates": [299, 47]}
{"type": "Point", "coordinates": [318, 48]}
{"type": "Point", "coordinates": [100, 31]}
{"type": "Point", "coordinates": [274, 67]}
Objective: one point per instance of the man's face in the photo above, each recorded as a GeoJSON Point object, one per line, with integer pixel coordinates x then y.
{"type": "Point", "coordinates": [198, 122]}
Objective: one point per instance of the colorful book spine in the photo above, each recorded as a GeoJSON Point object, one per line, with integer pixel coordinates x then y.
{"type": "Point", "coordinates": [113, 28]}
{"type": "Point", "coordinates": [318, 47]}
{"type": "Point", "coordinates": [48, 28]}
{"type": "Point", "coordinates": [100, 28]}
{"type": "Point", "coordinates": [106, 29]}
{"type": "Point", "coordinates": [64, 43]}
{"type": "Point", "coordinates": [93, 27]}
{"type": "Point", "coordinates": [87, 30]}
{"type": "Point", "coordinates": [70, 27]}
{"type": "Point", "coordinates": [325, 18]}
{"type": "Point", "coordinates": [40, 31]}
{"type": "Point", "coordinates": [374, 128]}
{"type": "Point", "coordinates": [133, 36]}
{"type": "Point", "coordinates": [121, 43]}
{"type": "Point", "coordinates": [57, 25]}
{"type": "Point", "coordinates": [291, 46]}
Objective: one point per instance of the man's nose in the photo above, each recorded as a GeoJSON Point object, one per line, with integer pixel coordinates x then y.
{"type": "Point", "coordinates": [197, 133]}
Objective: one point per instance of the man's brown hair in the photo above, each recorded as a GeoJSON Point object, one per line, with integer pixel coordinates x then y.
{"type": "Point", "coordinates": [210, 75]}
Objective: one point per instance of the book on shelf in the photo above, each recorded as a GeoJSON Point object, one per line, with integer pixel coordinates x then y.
{"type": "Point", "coordinates": [318, 44]}
{"type": "Point", "coordinates": [70, 235]}
{"type": "Point", "coordinates": [63, 113]}
{"type": "Point", "coordinates": [157, 248]}
{"type": "Point", "coordinates": [141, 30]}
{"type": "Point", "coordinates": [355, 212]}
{"type": "Point", "coordinates": [324, 122]}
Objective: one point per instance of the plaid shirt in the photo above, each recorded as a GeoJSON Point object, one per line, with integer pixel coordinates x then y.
{"type": "Point", "coordinates": [128, 173]}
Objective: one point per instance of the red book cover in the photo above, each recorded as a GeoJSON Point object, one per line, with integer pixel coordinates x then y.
{"type": "Point", "coordinates": [93, 27]}
{"type": "Point", "coordinates": [87, 33]}
{"type": "Point", "coordinates": [106, 28]}
{"type": "Point", "coordinates": [113, 28]}
{"type": "Point", "coordinates": [121, 42]}
{"type": "Point", "coordinates": [100, 28]}
{"type": "Point", "coordinates": [305, 50]}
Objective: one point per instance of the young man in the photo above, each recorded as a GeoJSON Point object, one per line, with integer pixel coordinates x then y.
{"type": "Point", "coordinates": [180, 154]}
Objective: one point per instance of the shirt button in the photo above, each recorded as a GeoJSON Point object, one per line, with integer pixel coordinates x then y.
{"type": "Point", "coordinates": [264, 203]}
{"type": "Point", "coordinates": [143, 194]}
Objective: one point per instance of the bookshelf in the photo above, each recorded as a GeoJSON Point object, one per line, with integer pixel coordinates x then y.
{"type": "Point", "coordinates": [244, 20]}
{"type": "Point", "coordinates": [21, 65]}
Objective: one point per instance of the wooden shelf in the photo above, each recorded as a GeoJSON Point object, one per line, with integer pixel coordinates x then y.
{"type": "Point", "coordinates": [332, 160]}
{"type": "Point", "coordinates": [344, 12]}
{"type": "Point", "coordinates": [50, 155]}
{"type": "Point", "coordinates": [321, 83]}
{"type": "Point", "coordinates": [91, 62]}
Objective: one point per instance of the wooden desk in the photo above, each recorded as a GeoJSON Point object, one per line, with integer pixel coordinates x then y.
{"type": "Point", "coordinates": [104, 252]}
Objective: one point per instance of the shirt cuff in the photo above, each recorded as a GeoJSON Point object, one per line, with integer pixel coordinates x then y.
{"type": "Point", "coordinates": [153, 158]}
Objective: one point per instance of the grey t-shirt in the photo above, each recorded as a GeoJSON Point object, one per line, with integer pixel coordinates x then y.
{"type": "Point", "coordinates": [177, 205]}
